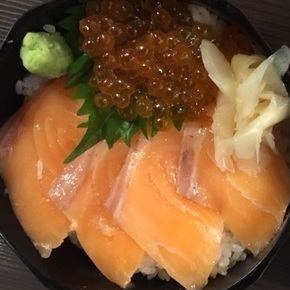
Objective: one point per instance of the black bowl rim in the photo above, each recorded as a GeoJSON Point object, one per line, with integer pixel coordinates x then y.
{"type": "Point", "coordinates": [223, 8]}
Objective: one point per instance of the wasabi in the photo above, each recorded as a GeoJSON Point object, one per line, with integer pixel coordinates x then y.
{"type": "Point", "coordinates": [46, 54]}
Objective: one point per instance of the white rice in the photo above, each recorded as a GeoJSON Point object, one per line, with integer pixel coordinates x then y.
{"type": "Point", "coordinates": [151, 269]}
{"type": "Point", "coordinates": [49, 28]}
{"type": "Point", "coordinates": [231, 253]}
{"type": "Point", "coordinates": [45, 250]}
{"type": "Point", "coordinates": [30, 85]}
{"type": "Point", "coordinates": [204, 16]}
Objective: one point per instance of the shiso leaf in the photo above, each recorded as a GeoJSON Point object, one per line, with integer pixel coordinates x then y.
{"type": "Point", "coordinates": [103, 124]}
{"type": "Point", "coordinates": [83, 90]}
{"type": "Point", "coordinates": [81, 64]}
{"type": "Point", "coordinates": [92, 136]}
{"type": "Point", "coordinates": [83, 125]}
{"type": "Point", "coordinates": [178, 122]}
{"type": "Point", "coordinates": [116, 128]}
{"type": "Point", "coordinates": [112, 129]}
{"type": "Point", "coordinates": [70, 25]}
{"type": "Point", "coordinates": [80, 71]}
{"type": "Point", "coordinates": [128, 130]}
{"type": "Point", "coordinates": [154, 128]}
{"type": "Point", "coordinates": [142, 123]}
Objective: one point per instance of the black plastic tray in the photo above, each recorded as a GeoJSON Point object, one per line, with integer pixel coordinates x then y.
{"type": "Point", "coordinates": [68, 267]}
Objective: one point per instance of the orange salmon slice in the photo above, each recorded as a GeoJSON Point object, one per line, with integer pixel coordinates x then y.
{"type": "Point", "coordinates": [251, 197]}
{"type": "Point", "coordinates": [80, 193]}
{"type": "Point", "coordinates": [180, 235]}
{"type": "Point", "coordinates": [32, 151]}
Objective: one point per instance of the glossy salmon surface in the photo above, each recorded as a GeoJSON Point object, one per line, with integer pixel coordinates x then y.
{"type": "Point", "coordinates": [34, 145]}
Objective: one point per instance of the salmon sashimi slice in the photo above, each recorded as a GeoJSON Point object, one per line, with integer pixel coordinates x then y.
{"type": "Point", "coordinates": [33, 147]}
{"type": "Point", "coordinates": [80, 192]}
{"type": "Point", "coordinates": [180, 235]}
{"type": "Point", "coordinates": [251, 197]}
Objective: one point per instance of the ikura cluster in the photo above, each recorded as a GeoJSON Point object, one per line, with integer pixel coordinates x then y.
{"type": "Point", "coordinates": [146, 59]}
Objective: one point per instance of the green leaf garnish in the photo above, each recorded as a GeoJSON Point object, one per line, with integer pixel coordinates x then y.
{"type": "Point", "coordinates": [70, 25]}
{"type": "Point", "coordinates": [79, 71]}
{"type": "Point", "coordinates": [177, 122]}
{"type": "Point", "coordinates": [142, 123]}
{"type": "Point", "coordinates": [154, 128]}
{"type": "Point", "coordinates": [112, 129]}
{"type": "Point", "coordinates": [128, 130]}
{"type": "Point", "coordinates": [92, 137]}
{"type": "Point", "coordinates": [83, 91]}
{"type": "Point", "coordinates": [80, 65]}
{"type": "Point", "coordinates": [83, 125]}
{"type": "Point", "coordinates": [103, 124]}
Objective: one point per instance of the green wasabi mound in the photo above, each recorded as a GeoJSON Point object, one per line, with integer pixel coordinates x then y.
{"type": "Point", "coordinates": [46, 54]}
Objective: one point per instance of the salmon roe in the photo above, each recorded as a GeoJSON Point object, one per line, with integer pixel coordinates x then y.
{"type": "Point", "coordinates": [146, 58]}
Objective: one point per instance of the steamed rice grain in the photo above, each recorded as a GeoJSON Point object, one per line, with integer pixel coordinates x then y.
{"type": "Point", "coordinates": [231, 253]}
{"type": "Point", "coordinates": [30, 85]}
{"type": "Point", "coordinates": [204, 16]}
{"type": "Point", "coordinates": [49, 28]}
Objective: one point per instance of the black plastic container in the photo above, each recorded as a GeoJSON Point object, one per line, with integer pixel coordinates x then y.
{"type": "Point", "coordinates": [68, 267]}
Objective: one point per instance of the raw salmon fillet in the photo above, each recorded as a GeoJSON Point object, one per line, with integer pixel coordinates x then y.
{"type": "Point", "coordinates": [80, 192]}
{"type": "Point", "coordinates": [180, 235]}
{"type": "Point", "coordinates": [33, 146]}
{"type": "Point", "coordinates": [251, 197]}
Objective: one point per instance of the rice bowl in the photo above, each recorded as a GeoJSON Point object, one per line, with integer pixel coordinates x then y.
{"type": "Point", "coordinates": [231, 249]}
